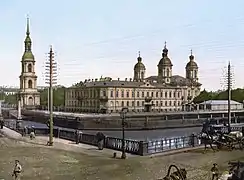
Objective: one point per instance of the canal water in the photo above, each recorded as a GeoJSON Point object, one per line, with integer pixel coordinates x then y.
{"type": "Point", "coordinates": [143, 135]}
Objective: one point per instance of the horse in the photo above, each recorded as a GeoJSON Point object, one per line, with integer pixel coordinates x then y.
{"type": "Point", "coordinates": [207, 139]}
{"type": "Point", "coordinates": [236, 134]}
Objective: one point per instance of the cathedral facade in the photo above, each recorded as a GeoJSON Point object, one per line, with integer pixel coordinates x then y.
{"type": "Point", "coordinates": [164, 92]}
{"type": "Point", "coordinates": [28, 93]}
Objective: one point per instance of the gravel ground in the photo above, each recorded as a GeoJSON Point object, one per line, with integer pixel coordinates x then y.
{"type": "Point", "coordinates": [40, 163]}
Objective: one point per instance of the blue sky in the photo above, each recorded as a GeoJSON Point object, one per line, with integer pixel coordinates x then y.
{"type": "Point", "coordinates": [94, 38]}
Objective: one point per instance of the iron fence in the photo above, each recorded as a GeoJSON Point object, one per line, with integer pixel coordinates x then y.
{"type": "Point", "coordinates": [132, 146]}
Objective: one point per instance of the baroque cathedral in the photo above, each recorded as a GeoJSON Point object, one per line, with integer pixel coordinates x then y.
{"type": "Point", "coordinates": [164, 92]}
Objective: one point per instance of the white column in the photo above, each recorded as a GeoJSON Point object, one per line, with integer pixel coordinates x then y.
{"type": "Point", "coordinates": [19, 110]}
{"type": "Point", "coordinates": [0, 108]}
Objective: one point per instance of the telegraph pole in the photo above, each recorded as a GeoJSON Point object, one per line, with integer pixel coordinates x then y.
{"type": "Point", "coordinates": [229, 83]}
{"type": "Point", "coordinates": [51, 74]}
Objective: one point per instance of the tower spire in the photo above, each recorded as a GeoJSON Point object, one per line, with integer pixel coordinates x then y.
{"type": "Point", "coordinates": [165, 50]}
{"type": "Point", "coordinates": [139, 56]}
{"type": "Point", "coordinates": [191, 57]}
{"type": "Point", "coordinates": [28, 26]}
{"type": "Point", "coordinates": [28, 54]}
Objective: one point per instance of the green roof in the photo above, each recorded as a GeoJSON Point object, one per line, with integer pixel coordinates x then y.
{"type": "Point", "coordinates": [28, 55]}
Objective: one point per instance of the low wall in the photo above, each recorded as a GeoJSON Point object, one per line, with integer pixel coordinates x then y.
{"type": "Point", "coordinates": [141, 148]}
{"type": "Point", "coordinates": [115, 124]}
{"type": "Point", "coordinates": [133, 121]}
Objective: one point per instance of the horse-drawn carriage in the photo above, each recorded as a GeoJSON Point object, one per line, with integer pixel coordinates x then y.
{"type": "Point", "coordinates": [222, 136]}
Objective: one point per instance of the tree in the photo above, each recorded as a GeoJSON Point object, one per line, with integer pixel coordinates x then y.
{"type": "Point", "coordinates": [10, 99]}
{"type": "Point", "coordinates": [236, 95]}
{"type": "Point", "coordinates": [204, 96]}
{"type": "Point", "coordinates": [58, 96]}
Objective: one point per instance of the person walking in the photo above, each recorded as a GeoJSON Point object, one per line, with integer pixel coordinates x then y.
{"type": "Point", "coordinates": [215, 172]}
{"type": "Point", "coordinates": [17, 170]}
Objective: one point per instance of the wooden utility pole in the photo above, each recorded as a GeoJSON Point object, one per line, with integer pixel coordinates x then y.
{"type": "Point", "coordinates": [229, 83]}
{"type": "Point", "coordinates": [51, 68]}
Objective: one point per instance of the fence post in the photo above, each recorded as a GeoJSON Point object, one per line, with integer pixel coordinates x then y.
{"type": "Point", "coordinates": [193, 140]}
{"type": "Point", "coordinates": [58, 131]}
{"type": "Point", "coordinates": [143, 148]}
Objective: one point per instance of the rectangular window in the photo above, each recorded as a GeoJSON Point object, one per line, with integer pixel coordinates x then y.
{"type": "Point", "coordinates": [122, 93]}
{"type": "Point", "coordinates": [138, 94]}
{"type": "Point", "coordinates": [127, 94]}
{"type": "Point", "coordinates": [142, 94]}
{"type": "Point", "coordinates": [112, 94]}
{"type": "Point", "coordinates": [147, 94]}
{"type": "Point", "coordinates": [133, 94]}
{"type": "Point", "coordinates": [104, 93]}
{"type": "Point", "coordinates": [117, 93]}
{"type": "Point", "coordinates": [156, 94]}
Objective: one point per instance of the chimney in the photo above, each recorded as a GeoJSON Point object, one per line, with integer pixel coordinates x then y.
{"type": "Point", "coordinates": [96, 80]}
{"type": "Point", "coordinates": [130, 79]}
{"type": "Point", "coordinates": [125, 79]}
{"type": "Point", "coordinates": [118, 79]}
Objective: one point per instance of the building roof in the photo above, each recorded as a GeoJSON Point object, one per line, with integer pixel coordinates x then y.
{"type": "Point", "coordinates": [165, 60]}
{"type": "Point", "coordinates": [191, 64]}
{"type": "Point", "coordinates": [150, 82]}
{"type": "Point", "coordinates": [139, 65]}
{"type": "Point", "coordinates": [131, 84]}
{"type": "Point", "coordinates": [220, 102]}
{"type": "Point", "coordinates": [177, 80]}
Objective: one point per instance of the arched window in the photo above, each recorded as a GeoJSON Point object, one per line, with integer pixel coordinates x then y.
{"type": "Point", "coordinates": [142, 75]}
{"type": "Point", "coordinates": [29, 67]}
{"type": "Point", "coordinates": [195, 74]}
{"type": "Point", "coordinates": [30, 101]}
{"type": "Point", "coordinates": [30, 84]}
{"type": "Point", "coordinates": [128, 103]}
{"type": "Point", "coordinates": [167, 72]}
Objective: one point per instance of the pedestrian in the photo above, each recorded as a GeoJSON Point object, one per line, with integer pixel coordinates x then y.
{"type": "Point", "coordinates": [26, 130]}
{"type": "Point", "coordinates": [32, 134]}
{"type": "Point", "coordinates": [77, 137]}
{"type": "Point", "coordinates": [215, 172]}
{"type": "Point", "coordinates": [17, 170]}
{"type": "Point", "coordinates": [1, 123]}
{"type": "Point", "coordinates": [100, 140]}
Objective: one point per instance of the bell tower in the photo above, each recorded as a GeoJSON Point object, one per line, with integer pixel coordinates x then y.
{"type": "Point", "coordinates": [28, 94]}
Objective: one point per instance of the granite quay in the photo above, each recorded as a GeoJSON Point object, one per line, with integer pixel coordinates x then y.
{"type": "Point", "coordinates": [131, 146]}
{"type": "Point", "coordinates": [136, 121]}
{"type": "Point", "coordinates": [142, 135]}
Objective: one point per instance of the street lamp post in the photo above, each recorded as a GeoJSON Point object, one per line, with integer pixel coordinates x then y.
{"type": "Point", "coordinates": [123, 117]}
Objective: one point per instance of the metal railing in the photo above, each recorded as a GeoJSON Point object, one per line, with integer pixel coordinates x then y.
{"type": "Point", "coordinates": [131, 146]}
